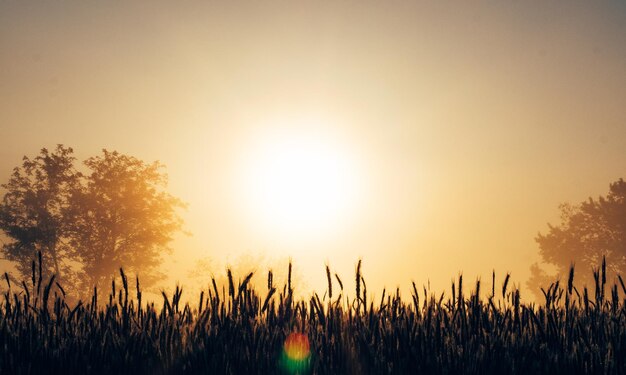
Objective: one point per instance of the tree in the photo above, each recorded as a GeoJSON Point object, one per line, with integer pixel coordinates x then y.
{"type": "Point", "coordinates": [88, 225]}
{"type": "Point", "coordinates": [34, 209]}
{"type": "Point", "coordinates": [122, 217]}
{"type": "Point", "coordinates": [587, 232]}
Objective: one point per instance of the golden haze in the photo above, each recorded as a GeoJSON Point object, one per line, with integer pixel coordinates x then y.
{"type": "Point", "coordinates": [461, 127]}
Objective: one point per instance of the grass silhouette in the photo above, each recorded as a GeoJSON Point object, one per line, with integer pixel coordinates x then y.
{"type": "Point", "coordinates": [243, 331]}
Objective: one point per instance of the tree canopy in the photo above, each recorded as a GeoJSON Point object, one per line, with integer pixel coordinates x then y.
{"type": "Point", "coordinates": [87, 224]}
{"type": "Point", "coordinates": [33, 212]}
{"type": "Point", "coordinates": [589, 231]}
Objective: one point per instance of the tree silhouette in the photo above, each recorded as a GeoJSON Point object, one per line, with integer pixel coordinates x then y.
{"type": "Point", "coordinates": [122, 217]}
{"type": "Point", "coordinates": [34, 209]}
{"type": "Point", "coordinates": [588, 231]}
{"type": "Point", "coordinates": [88, 225]}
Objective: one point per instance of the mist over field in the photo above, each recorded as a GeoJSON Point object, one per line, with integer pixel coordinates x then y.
{"type": "Point", "coordinates": [397, 149]}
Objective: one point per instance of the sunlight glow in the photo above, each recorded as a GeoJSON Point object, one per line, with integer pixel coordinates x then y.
{"type": "Point", "coordinates": [299, 184]}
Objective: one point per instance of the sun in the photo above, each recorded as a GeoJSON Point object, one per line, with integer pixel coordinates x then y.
{"type": "Point", "coordinates": [300, 184]}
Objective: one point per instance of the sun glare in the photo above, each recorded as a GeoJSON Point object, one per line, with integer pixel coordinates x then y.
{"type": "Point", "coordinates": [298, 184]}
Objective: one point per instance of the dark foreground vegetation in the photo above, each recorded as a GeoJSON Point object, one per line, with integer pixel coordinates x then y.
{"type": "Point", "coordinates": [237, 330]}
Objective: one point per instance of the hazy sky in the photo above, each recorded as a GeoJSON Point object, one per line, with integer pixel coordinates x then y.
{"type": "Point", "coordinates": [464, 125]}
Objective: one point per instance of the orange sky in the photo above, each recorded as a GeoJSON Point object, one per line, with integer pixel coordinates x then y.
{"type": "Point", "coordinates": [467, 124]}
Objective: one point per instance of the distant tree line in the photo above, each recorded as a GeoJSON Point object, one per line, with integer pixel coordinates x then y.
{"type": "Point", "coordinates": [87, 222]}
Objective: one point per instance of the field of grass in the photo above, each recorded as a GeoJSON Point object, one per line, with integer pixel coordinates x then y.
{"type": "Point", "coordinates": [234, 329]}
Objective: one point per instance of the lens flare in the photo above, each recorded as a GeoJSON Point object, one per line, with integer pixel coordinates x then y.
{"type": "Point", "coordinates": [296, 355]}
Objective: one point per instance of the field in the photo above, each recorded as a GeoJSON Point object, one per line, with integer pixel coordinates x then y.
{"type": "Point", "coordinates": [234, 329]}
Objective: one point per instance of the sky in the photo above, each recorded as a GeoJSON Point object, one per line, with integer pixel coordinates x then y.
{"type": "Point", "coordinates": [449, 132]}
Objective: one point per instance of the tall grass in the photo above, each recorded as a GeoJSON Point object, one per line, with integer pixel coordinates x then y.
{"type": "Point", "coordinates": [239, 330]}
